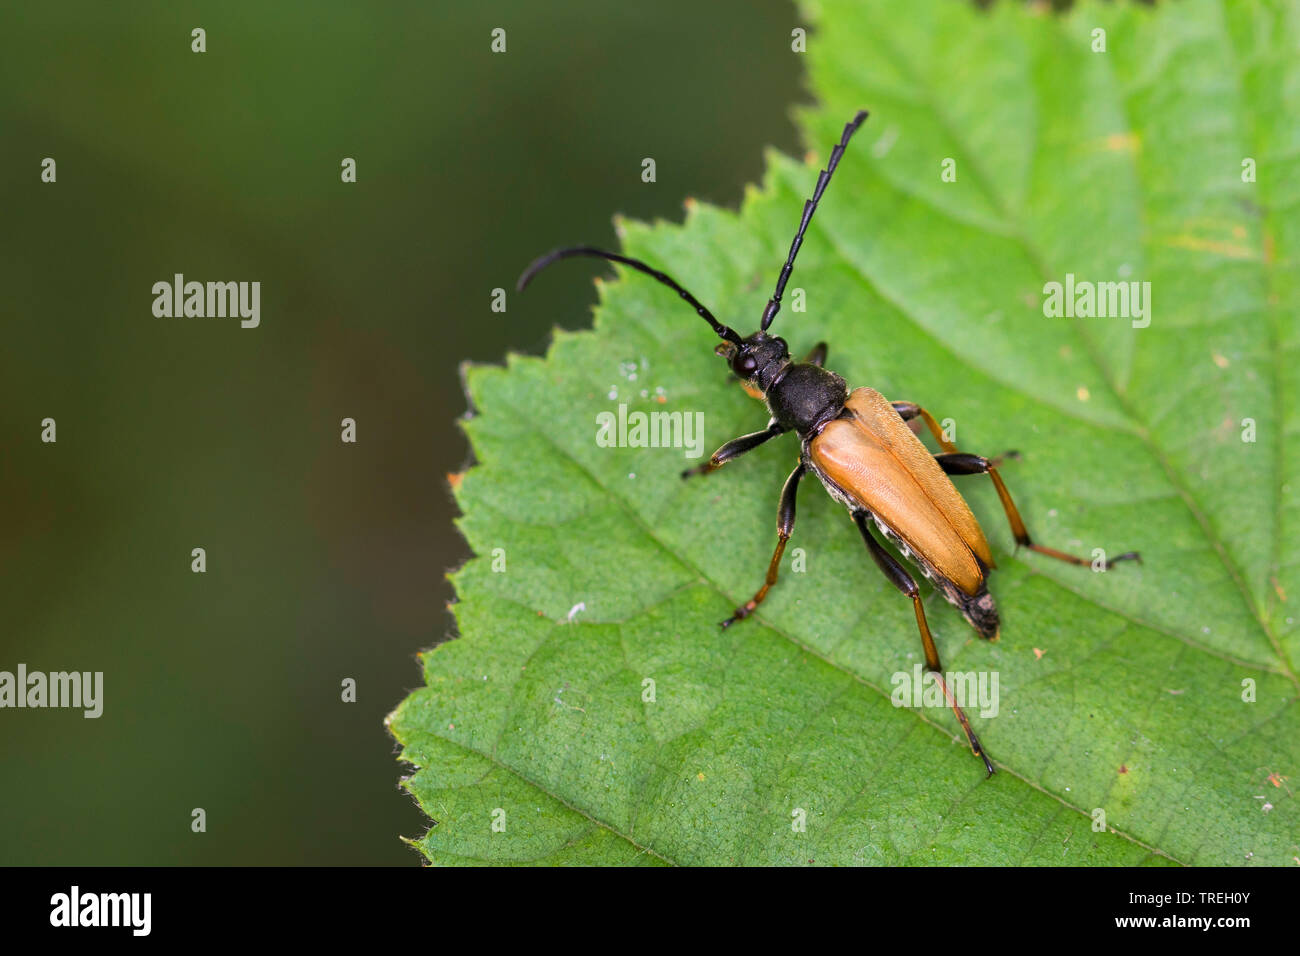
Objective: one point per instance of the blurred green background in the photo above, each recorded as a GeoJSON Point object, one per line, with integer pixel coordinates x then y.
{"type": "Point", "coordinates": [325, 560]}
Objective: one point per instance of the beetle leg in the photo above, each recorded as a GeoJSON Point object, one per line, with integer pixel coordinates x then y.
{"type": "Point", "coordinates": [784, 525]}
{"type": "Point", "coordinates": [898, 576]}
{"type": "Point", "coordinates": [957, 463]}
{"type": "Point", "coordinates": [734, 449]}
{"type": "Point", "coordinates": [910, 410]}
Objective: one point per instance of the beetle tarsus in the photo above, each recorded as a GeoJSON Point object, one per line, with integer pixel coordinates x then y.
{"type": "Point", "coordinates": [704, 469]}
{"type": "Point", "coordinates": [1074, 559]}
{"type": "Point", "coordinates": [742, 612]}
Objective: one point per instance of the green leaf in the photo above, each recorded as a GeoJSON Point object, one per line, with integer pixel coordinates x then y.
{"type": "Point", "coordinates": [1120, 692]}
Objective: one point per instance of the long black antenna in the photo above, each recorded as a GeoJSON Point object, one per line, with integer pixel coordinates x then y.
{"type": "Point", "coordinates": [541, 263]}
{"type": "Point", "coordinates": [809, 207]}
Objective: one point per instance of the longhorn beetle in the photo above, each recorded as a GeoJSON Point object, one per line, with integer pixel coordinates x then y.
{"type": "Point", "coordinates": [860, 445]}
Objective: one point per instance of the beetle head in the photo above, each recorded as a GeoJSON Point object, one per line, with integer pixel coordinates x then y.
{"type": "Point", "coordinates": [757, 360]}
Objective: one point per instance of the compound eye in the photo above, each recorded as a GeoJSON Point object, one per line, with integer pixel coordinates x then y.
{"type": "Point", "coordinates": [746, 366]}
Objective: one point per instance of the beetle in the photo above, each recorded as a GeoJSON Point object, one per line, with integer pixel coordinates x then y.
{"type": "Point", "coordinates": [866, 452]}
